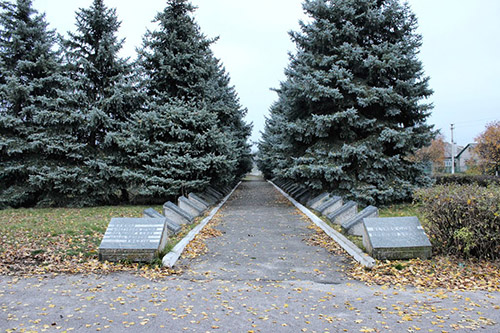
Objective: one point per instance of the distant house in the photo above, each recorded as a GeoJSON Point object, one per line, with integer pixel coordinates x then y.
{"type": "Point", "coordinates": [466, 157]}
{"type": "Point", "coordinates": [448, 154]}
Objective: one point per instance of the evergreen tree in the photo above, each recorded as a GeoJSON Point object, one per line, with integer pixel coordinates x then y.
{"type": "Point", "coordinates": [353, 93]}
{"type": "Point", "coordinates": [175, 59]}
{"type": "Point", "coordinates": [105, 96]}
{"type": "Point", "coordinates": [224, 102]}
{"type": "Point", "coordinates": [274, 147]}
{"type": "Point", "coordinates": [177, 148]}
{"type": "Point", "coordinates": [191, 132]}
{"type": "Point", "coordinates": [39, 152]}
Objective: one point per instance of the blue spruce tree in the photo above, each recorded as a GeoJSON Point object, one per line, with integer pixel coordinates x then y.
{"type": "Point", "coordinates": [190, 132]}
{"type": "Point", "coordinates": [275, 147]}
{"type": "Point", "coordinates": [105, 96]}
{"type": "Point", "coordinates": [40, 152]}
{"type": "Point", "coordinates": [354, 93]}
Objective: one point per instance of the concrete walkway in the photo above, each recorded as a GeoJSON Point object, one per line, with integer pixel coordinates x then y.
{"type": "Point", "coordinates": [263, 239]}
{"type": "Point", "coordinates": [259, 276]}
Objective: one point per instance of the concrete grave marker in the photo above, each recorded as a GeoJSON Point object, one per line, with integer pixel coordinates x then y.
{"type": "Point", "coordinates": [198, 204]}
{"type": "Point", "coordinates": [354, 226]}
{"type": "Point", "coordinates": [210, 190]}
{"type": "Point", "coordinates": [292, 188]}
{"type": "Point", "coordinates": [298, 192]}
{"type": "Point", "coordinates": [133, 239]}
{"type": "Point", "coordinates": [318, 201]}
{"type": "Point", "coordinates": [226, 189]}
{"type": "Point", "coordinates": [344, 213]}
{"type": "Point", "coordinates": [330, 205]}
{"type": "Point", "coordinates": [177, 214]}
{"type": "Point", "coordinates": [189, 206]}
{"type": "Point", "coordinates": [304, 197]}
{"type": "Point", "coordinates": [396, 238]}
{"type": "Point", "coordinates": [194, 197]}
{"type": "Point", "coordinates": [172, 227]}
{"type": "Point", "coordinates": [285, 184]}
{"type": "Point", "coordinates": [208, 198]}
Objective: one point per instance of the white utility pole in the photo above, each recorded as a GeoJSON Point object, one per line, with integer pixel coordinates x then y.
{"type": "Point", "coordinates": [452, 151]}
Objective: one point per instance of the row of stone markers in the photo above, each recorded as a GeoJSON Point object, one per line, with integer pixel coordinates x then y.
{"type": "Point", "coordinates": [142, 239]}
{"type": "Point", "coordinates": [383, 238]}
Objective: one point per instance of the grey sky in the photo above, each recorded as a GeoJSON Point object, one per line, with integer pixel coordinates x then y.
{"type": "Point", "coordinates": [461, 50]}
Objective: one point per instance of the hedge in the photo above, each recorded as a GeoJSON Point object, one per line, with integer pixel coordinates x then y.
{"type": "Point", "coordinates": [463, 220]}
{"type": "Point", "coordinates": [464, 179]}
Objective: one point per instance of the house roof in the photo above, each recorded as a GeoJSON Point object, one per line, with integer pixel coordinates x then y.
{"type": "Point", "coordinates": [447, 149]}
{"type": "Point", "coordinates": [469, 146]}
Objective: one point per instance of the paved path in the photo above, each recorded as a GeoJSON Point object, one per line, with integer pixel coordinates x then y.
{"type": "Point", "coordinates": [259, 276]}
{"type": "Point", "coordinates": [264, 239]}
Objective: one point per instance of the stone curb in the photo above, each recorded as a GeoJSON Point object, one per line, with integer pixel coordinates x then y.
{"type": "Point", "coordinates": [346, 244]}
{"type": "Point", "coordinates": [170, 259]}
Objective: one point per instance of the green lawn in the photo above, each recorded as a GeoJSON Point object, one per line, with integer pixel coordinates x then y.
{"type": "Point", "coordinates": [50, 236]}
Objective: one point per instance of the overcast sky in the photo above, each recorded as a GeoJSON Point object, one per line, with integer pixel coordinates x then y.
{"type": "Point", "coordinates": [461, 50]}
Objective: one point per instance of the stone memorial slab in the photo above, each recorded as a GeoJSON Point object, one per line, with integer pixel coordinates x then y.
{"type": "Point", "coordinates": [396, 238]}
{"type": "Point", "coordinates": [330, 205]}
{"type": "Point", "coordinates": [318, 200]}
{"type": "Point", "coordinates": [210, 190]}
{"type": "Point", "coordinates": [173, 228]}
{"type": "Point", "coordinates": [212, 195]}
{"type": "Point", "coordinates": [303, 198]}
{"type": "Point", "coordinates": [344, 213]}
{"type": "Point", "coordinates": [226, 189]}
{"type": "Point", "coordinates": [194, 197]}
{"type": "Point", "coordinates": [296, 190]}
{"type": "Point", "coordinates": [151, 212]}
{"type": "Point", "coordinates": [190, 207]}
{"type": "Point", "coordinates": [133, 239]}
{"type": "Point", "coordinates": [217, 190]}
{"type": "Point", "coordinates": [208, 198]}
{"type": "Point", "coordinates": [354, 226]}
{"type": "Point", "coordinates": [176, 214]}
{"type": "Point", "coordinates": [299, 193]}
{"type": "Point", "coordinates": [285, 184]}
{"type": "Point", "coordinates": [292, 188]}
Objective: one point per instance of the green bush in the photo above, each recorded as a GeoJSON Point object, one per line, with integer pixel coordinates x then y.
{"type": "Point", "coordinates": [463, 220]}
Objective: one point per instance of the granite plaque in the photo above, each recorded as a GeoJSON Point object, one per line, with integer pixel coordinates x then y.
{"type": "Point", "coordinates": [318, 201]}
{"type": "Point", "coordinates": [173, 228]}
{"type": "Point", "coordinates": [192, 208]}
{"type": "Point", "coordinates": [330, 205]}
{"type": "Point", "coordinates": [298, 192]}
{"type": "Point", "coordinates": [396, 238]}
{"type": "Point", "coordinates": [354, 226]}
{"type": "Point", "coordinates": [226, 189]}
{"type": "Point", "coordinates": [194, 197]}
{"type": "Point", "coordinates": [133, 239]}
{"type": "Point", "coordinates": [177, 214]}
{"type": "Point", "coordinates": [214, 192]}
{"type": "Point", "coordinates": [286, 184]}
{"type": "Point", "coordinates": [292, 188]}
{"type": "Point", "coordinates": [344, 213]}
{"type": "Point", "coordinates": [304, 197]}
{"type": "Point", "coordinates": [208, 198]}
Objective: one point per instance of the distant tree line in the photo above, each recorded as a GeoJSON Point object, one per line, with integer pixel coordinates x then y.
{"type": "Point", "coordinates": [81, 126]}
{"type": "Point", "coordinates": [350, 113]}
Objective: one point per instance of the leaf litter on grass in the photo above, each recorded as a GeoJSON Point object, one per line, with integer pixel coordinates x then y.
{"type": "Point", "coordinates": [37, 242]}
{"type": "Point", "coordinates": [439, 272]}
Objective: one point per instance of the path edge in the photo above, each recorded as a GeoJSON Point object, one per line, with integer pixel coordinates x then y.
{"type": "Point", "coordinates": [351, 248]}
{"type": "Point", "coordinates": [171, 258]}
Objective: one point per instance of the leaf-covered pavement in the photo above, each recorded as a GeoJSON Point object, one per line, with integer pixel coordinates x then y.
{"type": "Point", "coordinates": [262, 273]}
